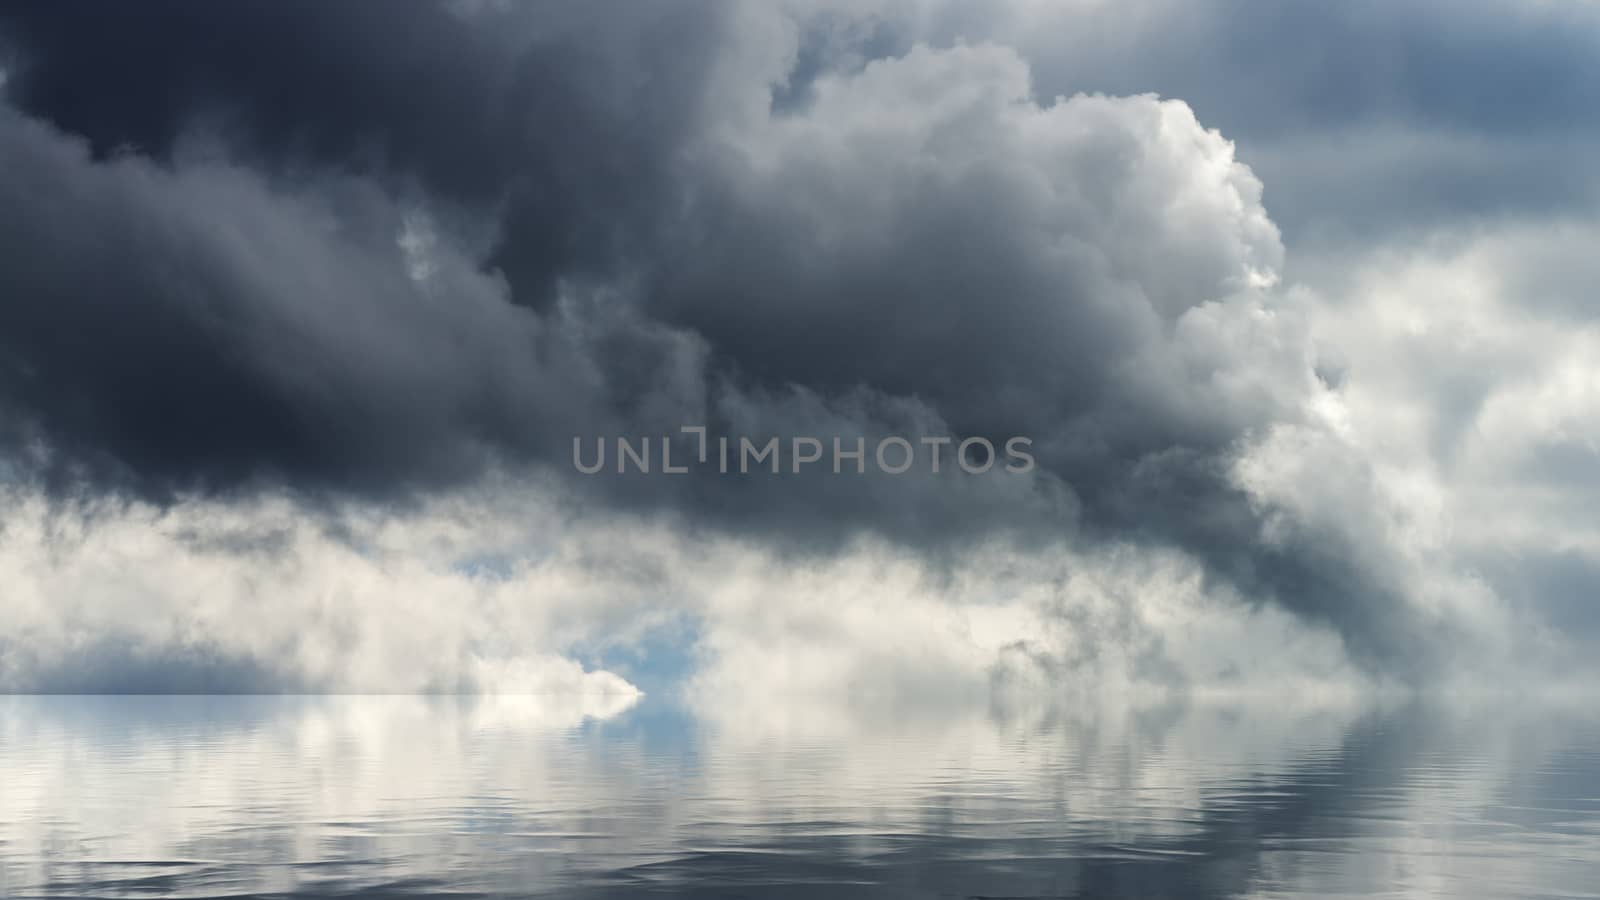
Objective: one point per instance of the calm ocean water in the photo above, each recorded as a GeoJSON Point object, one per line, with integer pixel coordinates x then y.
{"type": "Point", "coordinates": [540, 796]}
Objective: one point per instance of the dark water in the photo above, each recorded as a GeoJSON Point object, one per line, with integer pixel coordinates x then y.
{"type": "Point", "coordinates": [399, 796]}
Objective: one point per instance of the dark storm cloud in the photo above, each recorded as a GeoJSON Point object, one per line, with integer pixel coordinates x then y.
{"type": "Point", "coordinates": [911, 247]}
{"type": "Point", "coordinates": [564, 115]}
{"type": "Point", "coordinates": [202, 328]}
{"type": "Point", "coordinates": [1083, 274]}
{"type": "Point", "coordinates": [199, 329]}
{"type": "Point", "coordinates": [194, 323]}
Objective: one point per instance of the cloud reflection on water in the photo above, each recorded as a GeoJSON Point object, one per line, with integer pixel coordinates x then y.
{"type": "Point", "coordinates": [597, 796]}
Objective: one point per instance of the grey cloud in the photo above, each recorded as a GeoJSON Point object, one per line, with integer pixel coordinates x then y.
{"type": "Point", "coordinates": [1366, 119]}
{"type": "Point", "coordinates": [560, 117]}
{"type": "Point", "coordinates": [1090, 273]}
{"type": "Point", "coordinates": [450, 238]}
{"type": "Point", "coordinates": [202, 328]}
{"type": "Point", "coordinates": [110, 664]}
{"type": "Point", "coordinates": [198, 328]}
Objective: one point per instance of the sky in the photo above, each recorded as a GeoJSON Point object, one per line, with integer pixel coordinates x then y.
{"type": "Point", "coordinates": [303, 305]}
